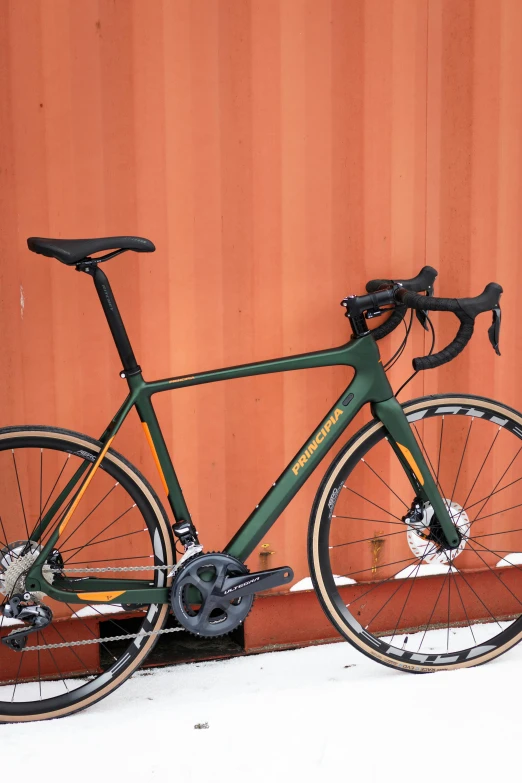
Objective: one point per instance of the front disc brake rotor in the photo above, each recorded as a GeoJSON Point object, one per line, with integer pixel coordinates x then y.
{"type": "Point", "coordinates": [428, 550]}
{"type": "Point", "coordinates": [197, 598]}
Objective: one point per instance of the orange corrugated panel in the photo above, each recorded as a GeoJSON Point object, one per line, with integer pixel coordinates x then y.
{"type": "Point", "coordinates": [279, 153]}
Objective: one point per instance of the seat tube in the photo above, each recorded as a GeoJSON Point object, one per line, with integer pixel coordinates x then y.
{"type": "Point", "coordinates": [160, 453]}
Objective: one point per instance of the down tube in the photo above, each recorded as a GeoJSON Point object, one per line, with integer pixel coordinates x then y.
{"type": "Point", "coordinates": [299, 470]}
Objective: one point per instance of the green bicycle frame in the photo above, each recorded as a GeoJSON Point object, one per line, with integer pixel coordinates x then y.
{"type": "Point", "coordinates": [369, 385]}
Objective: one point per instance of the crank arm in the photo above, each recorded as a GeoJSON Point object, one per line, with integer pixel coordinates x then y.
{"type": "Point", "coordinates": [246, 584]}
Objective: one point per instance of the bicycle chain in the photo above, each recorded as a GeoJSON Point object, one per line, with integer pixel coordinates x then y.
{"type": "Point", "coordinates": [121, 637]}
{"type": "Point", "coordinates": [117, 568]}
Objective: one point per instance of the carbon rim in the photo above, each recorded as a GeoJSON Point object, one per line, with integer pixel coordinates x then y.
{"type": "Point", "coordinates": [468, 581]}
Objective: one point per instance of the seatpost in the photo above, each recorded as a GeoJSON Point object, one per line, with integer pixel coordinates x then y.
{"type": "Point", "coordinates": [114, 319]}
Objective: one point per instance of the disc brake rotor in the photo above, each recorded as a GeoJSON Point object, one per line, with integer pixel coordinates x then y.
{"type": "Point", "coordinates": [16, 560]}
{"type": "Point", "coordinates": [427, 549]}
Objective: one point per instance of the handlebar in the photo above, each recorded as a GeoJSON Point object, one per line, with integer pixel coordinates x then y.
{"type": "Point", "coordinates": [466, 311]}
{"type": "Point", "coordinates": [404, 294]}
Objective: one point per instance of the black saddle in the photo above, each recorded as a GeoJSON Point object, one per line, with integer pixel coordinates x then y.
{"type": "Point", "coordinates": [71, 251]}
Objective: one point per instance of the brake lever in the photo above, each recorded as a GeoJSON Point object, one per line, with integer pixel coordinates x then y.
{"type": "Point", "coordinates": [422, 315]}
{"type": "Point", "coordinates": [494, 330]}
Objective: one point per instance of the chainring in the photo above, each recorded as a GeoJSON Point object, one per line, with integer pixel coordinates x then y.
{"type": "Point", "coordinates": [196, 595]}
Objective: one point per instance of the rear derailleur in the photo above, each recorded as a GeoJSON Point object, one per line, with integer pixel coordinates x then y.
{"type": "Point", "coordinates": [36, 616]}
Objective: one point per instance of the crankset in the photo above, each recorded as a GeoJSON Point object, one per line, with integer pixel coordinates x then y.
{"type": "Point", "coordinates": [213, 593]}
{"type": "Point", "coordinates": [37, 617]}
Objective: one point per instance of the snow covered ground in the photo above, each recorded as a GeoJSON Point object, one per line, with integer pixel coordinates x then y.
{"type": "Point", "coordinates": [322, 713]}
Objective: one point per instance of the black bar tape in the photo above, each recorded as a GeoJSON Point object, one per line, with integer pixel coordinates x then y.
{"type": "Point", "coordinates": [422, 282]}
{"type": "Point", "coordinates": [466, 311]}
{"type": "Point", "coordinates": [451, 351]}
{"type": "Point", "coordinates": [390, 324]}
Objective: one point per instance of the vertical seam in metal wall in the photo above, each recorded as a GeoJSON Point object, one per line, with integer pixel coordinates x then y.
{"type": "Point", "coordinates": [426, 167]}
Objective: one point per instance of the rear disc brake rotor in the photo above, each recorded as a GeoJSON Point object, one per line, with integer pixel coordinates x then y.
{"type": "Point", "coordinates": [16, 560]}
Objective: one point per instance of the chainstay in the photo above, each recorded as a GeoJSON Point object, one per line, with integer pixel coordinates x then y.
{"type": "Point", "coordinates": [102, 640]}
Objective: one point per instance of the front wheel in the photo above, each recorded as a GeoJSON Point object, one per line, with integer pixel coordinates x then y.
{"type": "Point", "coordinates": [391, 590]}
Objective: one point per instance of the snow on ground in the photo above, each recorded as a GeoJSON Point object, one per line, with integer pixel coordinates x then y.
{"type": "Point", "coordinates": [322, 713]}
{"type": "Point", "coordinates": [514, 558]}
{"type": "Point", "coordinates": [306, 583]}
{"type": "Point", "coordinates": [92, 611]}
{"type": "Point", "coordinates": [425, 569]}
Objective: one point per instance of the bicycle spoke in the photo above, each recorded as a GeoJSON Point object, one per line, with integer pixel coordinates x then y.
{"type": "Point", "coordinates": [384, 482]}
{"type": "Point", "coordinates": [472, 505]}
{"type": "Point", "coordinates": [423, 447]}
{"type": "Point", "coordinates": [17, 678]}
{"type": "Point", "coordinates": [55, 664]}
{"type": "Point", "coordinates": [480, 599]}
{"type": "Point", "coordinates": [478, 474]}
{"type": "Point", "coordinates": [41, 482]}
{"type": "Point", "coordinates": [92, 541]}
{"type": "Point", "coordinates": [412, 582]}
{"type": "Point", "coordinates": [90, 630]}
{"type": "Point", "coordinates": [365, 519]}
{"type": "Point", "coordinates": [496, 513]}
{"type": "Point", "coordinates": [433, 611]}
{"type": "Point", "coordinates": [103, 541]}
{"type": "Point", "coordinates": [385, 565]}
{"type": "Point", "coordinates": [440, 450]}
{"type": "Point", "coordinates": [48, 531]}
{"type": "Point", "coordinates": [375, 585]}
{"type": "Point", "coordinates": [6, 545]}
{"type": "Point", "coordinates": [39, 670]}
{"type": "Point", "coordinates": [497, 533]}
{"type": "Point", "coordinates": [463, 606]}
{"type": "Point", "coordinates": [497, 576]}
{"type": "Point", "coordinates": [20, 493]}
{"type": "Point", "coordinates": [497, 552]}
{"type": "Point", "coordinates": [496, 485]}
{"type": "Point", "coordinates": [62, 543]}
{"type": "Point", "coordinates": [84, 666]}
{"type": "Point", "coordinates": [449, 602]}
{"type": "Point", "coordinates": [363, 540]}
{"type": "Point", "coordinates": [462, 459]}
{"type": "Point", "coordinates": [372, 503]}
{"type": "Point", "coordinates": [402, 583]}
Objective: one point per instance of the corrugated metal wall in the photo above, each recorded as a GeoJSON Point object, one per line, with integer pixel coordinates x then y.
{"type": "Point", "coordinates": [279, 154]}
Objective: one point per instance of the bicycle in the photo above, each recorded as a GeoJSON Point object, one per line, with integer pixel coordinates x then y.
{"type": "Point", "coordinates": [88, 571]}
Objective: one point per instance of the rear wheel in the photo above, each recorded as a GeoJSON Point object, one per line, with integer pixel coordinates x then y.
{"type": "Point", "coordinates": [393, 591]}
{"type": "Point", "coordinates": [119, 523]}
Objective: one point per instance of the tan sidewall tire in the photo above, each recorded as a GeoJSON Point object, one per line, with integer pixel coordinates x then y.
{"type": "Point", "coordinates": [315, 526]}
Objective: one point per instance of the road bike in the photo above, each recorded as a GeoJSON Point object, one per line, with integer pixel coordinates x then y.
{"type": "Point", "coordinates": [413, 542]}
